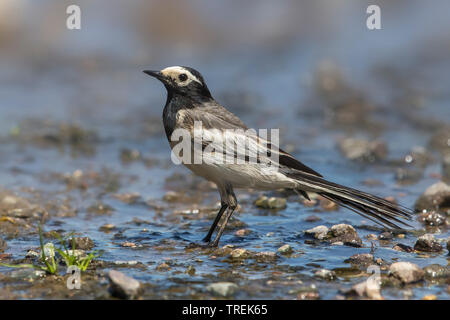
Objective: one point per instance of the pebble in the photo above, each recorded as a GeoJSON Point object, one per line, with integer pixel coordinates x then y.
{"type": "Point", "coordinates": [266, 256]}
{"type": "Point", "coordinates": [386, 236]}
{"type": "Point", "coordinates": [408, 175]}
{"type": "Point", "coordinates": [2, 245]}
{"type": "Point", "coordinates": [239, 253]}
{"type": "Point", "coordinates": [312, 218]}
{"type": "Point", "coordinates": [82, 243]}
{"type": "Point", "coordinates": [429, 297]}
{"type": "Point", "coordinates": [319, 232]}
{"type": "Point", "coordinates": [325, 274]}
{"type": "Point", "coordinates": [362, 149]}
{"type": "Point", "coordinates": [107, 227]}
{"type": "Point", "coordinates": [406, 272]}
{"type": "Point", "coordinates": [403, 248]}
{"type": "Point", "coordinates": [243, 232]}
{"type": "Point", "coordinates": [123, 262]}
{"type": "Point", "coordinates": [128, 198]}
{"type": "Point", "coordinates": [361, 259]}
{"type": "Point", "coordinates": [344, 233]}
{"type": "Point", "coordinates": [190, 270]}
{"type": "Point", "coordinates": [371, 236]}
{"type": "Point", "coordinates": [434, 271]}
{"type": "Point", "coordinates": [27, 274]}
{"type": "Point", "coordinates": [275, 203]}
{"type": "Point", "coordinates": [431, 218]}
{"type": "Point", "coordinates": [163, 267]}
{"type": "Point", "coordinates": [448, 245]}
{"type": "Point", "coordinates": [128, 244]}
{"type": "Point", "coordinates": [224, 289]}
{"type": "Point", "coordinates": [172, 196]}
{"type": "Point", "coordinates": [369, 288]}
{"type": "Point", "coordinates": [286, 249]}
{"type": "Point", "coordinates": [434, 196]}
{"type": "Point", "coordinates": [427, 243]}
{"type": "Point", "coordinates": [446, 168]}
{"type": "Point", "coordinates": [122, 286]}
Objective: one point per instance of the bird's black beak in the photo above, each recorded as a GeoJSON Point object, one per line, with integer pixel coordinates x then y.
{"type": "Point", "coordinates": [156, 74]}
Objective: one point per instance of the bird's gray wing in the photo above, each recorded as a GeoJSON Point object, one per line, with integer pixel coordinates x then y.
{"type": "Point", "coordinates": [213, 117]}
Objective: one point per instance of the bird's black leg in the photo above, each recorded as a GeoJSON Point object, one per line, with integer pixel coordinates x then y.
{"type": "Point", "coordinates": [207, 238]}
{"type": "Point", "coordinates": [232, 204]}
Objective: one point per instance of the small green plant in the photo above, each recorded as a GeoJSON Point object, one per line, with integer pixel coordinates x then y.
{"type": "Point", "coordinates": [50, 265]}
{"type": "Point", "coordinates": [70, 257]}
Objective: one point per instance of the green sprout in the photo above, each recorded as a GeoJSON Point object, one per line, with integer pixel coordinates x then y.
{"type": "Point", "coordinates": [69, 256]}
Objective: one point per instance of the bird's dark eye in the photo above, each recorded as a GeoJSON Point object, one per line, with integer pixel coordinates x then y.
{"type": "Point", "coordinates": [182, 77]}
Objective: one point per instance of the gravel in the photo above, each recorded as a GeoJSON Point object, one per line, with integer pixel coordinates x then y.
{"type": "Point", "coordinates": [406, 272]}
{"type": "Point", "coordinates": [224, 289]}
{"type": "Point", "coordinates": [122, 286]}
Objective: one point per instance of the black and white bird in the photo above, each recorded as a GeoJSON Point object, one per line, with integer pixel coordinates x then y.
{"type": "Point", "coordinates": [189, 101]}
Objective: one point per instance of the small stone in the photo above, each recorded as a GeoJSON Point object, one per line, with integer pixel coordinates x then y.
{"type": "Point", "coordinates": [312, 295]}
{"type": "Point", "coordinates": [128, 198]}
{"type": "Point", "coordinates": [430, 297]}
{"type": "Point", "coordinates": [32, 254]}
{"type": "Point", "coordinates": [319, 232]}
{"type": "Point", "coordinates": [172, 196]}
{"type": "Point", "coordinates": [312, 218]}
{"type": "Point", "coordinates": [128, 244]}
{"type": "Point", "coordinates": [190, 270]}
{"type": "Point", "coordinates": [122, 286]}
{"type": "Point", "coordinates": [262, 202]}
{"type": "Point", "coordinates": [371, 236]}
{"type": "Point", "coordinates": [362, 149]}
{"type": "Point", "coordinates": [325, 274]}
{"type": "Point", "coordinates": [107, 227]}
{"type": "Point", "coordinates": [446, 168]}
{"type": "Point", "coordinates": [344, 233]}
{"type": "Point", "coordinates": [129, 155]}
{"type": "Point", "coordinates": [327, 205]}
{"type": "Point", "coordinates": [123, 262]}
{"type": "Point", "coordinates": [224, 289]}
{"type": "Point", "coordinates": [386, 236]}
{"type": "Point", "coordinates": [403, 248]}
{"type": "Point", "coordinates": [82, 243]}
{"type": "Point", "coordinates": [448, 245]}
{"type": "Point", "coordinates": [270, 203]}
{"type": "Point", "coordinates": [2, 245]}
{"type": "Point", "coordinates": [286, 249]}
{"type": "Point", "coordinates": [100, 209]}
{"type": "Point", "coordinates": [427, 243]}
{"type": "Point", "coordinates": [369, 288]}
{"type": "Point", "coordinates": [361, 259]}
{"type": "Point", "coordinates": [163, 267]}
{"type": "Point", "coordinates": [408, 175]}
{"type": "Point", "coordinates": [435, 271]}
{"type": "Point", "coordinates": [239, 253]}
{"type": "Point", "coordinates": [29, 274]}
{"type": "Point", "coordinates": [277, 203]}
{"type": "Point", "coordinates": [433, 198]}
{"type": "Point", "coordinates": [266, 256]}
{"type": "Point", "coordinates": [431, 218]}
{"type": "Point", "coordinates": [406, 272]}
{"type": "Point", "coordinates": [243, 232]}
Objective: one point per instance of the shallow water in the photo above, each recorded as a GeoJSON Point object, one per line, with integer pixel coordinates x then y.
{"type": "Point", "coordinates": [270, 85]}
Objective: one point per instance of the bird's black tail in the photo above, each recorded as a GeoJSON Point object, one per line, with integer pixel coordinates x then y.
{"type": "Point", "coordinates": [374, 208]}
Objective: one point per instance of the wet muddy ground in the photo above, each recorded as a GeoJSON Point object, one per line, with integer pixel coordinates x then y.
{"type": "Point", "coordinates": [83, 151]}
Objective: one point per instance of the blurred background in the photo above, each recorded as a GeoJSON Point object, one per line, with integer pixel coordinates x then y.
{"type": "Point", "coordinates": [80, 122]}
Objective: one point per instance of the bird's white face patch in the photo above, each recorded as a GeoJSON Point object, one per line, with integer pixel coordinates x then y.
{"type": "Point", "coordinates": [180, 75]}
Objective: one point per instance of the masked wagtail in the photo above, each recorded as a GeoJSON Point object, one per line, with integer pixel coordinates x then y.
{"type": "Point", "coordinates": [189, 102]}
